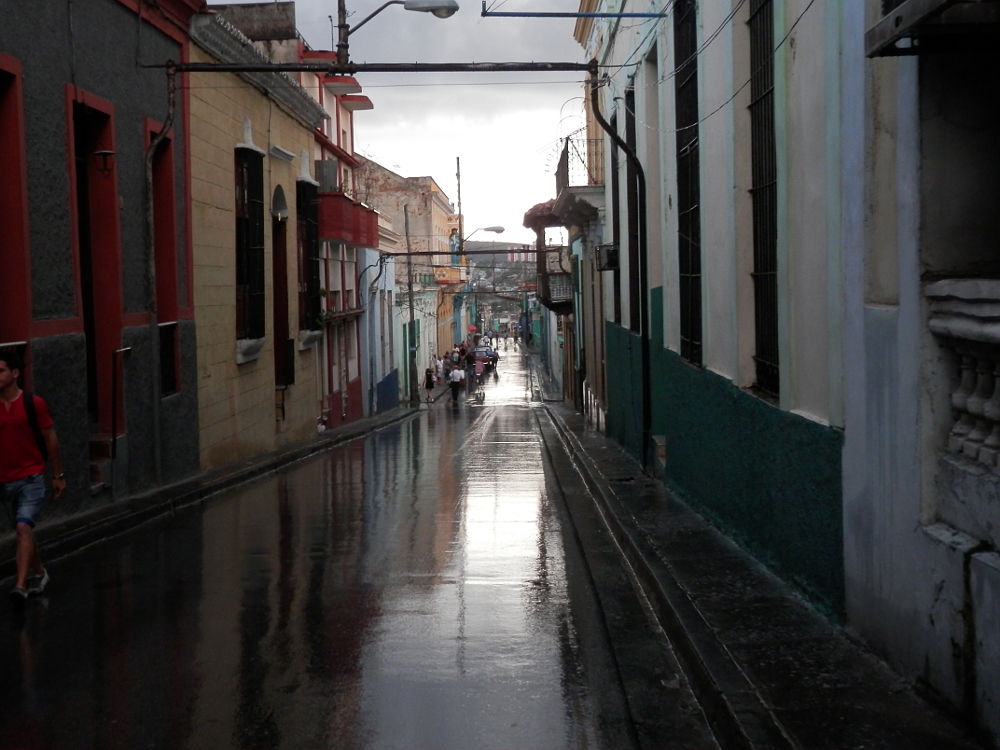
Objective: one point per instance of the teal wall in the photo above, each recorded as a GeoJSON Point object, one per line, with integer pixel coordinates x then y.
{"type": "Point", "coordinates": [623, 358]}
{"type": "Point", "coordinates": [767, 477]}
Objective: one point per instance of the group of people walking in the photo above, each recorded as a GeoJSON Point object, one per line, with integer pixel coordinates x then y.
{"type": "Point", "coordinates": [458, 367]}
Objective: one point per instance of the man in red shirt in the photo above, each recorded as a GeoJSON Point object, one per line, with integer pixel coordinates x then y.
{"type": "Point", "coordinates": [22, 473]}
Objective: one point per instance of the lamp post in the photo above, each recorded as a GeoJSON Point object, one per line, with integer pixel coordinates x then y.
{"type": "Point", "coordinates": [438, 8]}
{"type": "Point", "coordinates": [461, 252]}
{"type": "Point", "coordinates": [496, 230]}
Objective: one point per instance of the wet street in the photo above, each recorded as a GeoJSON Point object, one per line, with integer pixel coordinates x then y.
{"type": "Point", "coordinates": [415, 589]}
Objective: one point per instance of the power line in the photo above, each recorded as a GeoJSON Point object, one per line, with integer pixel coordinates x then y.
{"type": "Point", "coordinates": [736, 93]}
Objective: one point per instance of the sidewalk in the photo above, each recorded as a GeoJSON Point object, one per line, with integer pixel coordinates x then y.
{"type": "Point", "coordinates": [768, 670]}
{"type": "Point", "coordinates": [66, 534]}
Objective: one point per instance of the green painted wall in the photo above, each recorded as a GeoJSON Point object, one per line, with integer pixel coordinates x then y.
{"type": "Point", "coordinates": [767, 477]}
{"type": "Point", "coordinates": [623, 358]}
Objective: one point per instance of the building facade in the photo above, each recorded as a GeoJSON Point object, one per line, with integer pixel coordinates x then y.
{"type": "Point", "coordinates": [785, 302]}
{"type": "Point", "coordinates": [97, 249]}
{"type": "Point", "coordinates": [342, 239]}
{"type": "Point", "coordinates": [423, 216]}
{"type": "Point", "coordinates": [254, 203]}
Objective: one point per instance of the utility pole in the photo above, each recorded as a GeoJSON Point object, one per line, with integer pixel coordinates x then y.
{"type": "Point", "coordinates": [461, 219]}
{"type": "Point", "coordinates": [343, 32]}
{"type": "Point", "coordinates": [412, 338]}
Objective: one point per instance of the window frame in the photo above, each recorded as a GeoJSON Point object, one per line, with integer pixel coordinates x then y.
{"type": "Point", "coordinates": [249, 244]}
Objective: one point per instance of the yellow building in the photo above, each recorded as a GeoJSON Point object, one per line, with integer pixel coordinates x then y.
{"type": "Point", "coordinates": [254, 243]}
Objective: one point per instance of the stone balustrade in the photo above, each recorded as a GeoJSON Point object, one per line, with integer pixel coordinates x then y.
{"type": "Point", "coordinates": [965, 316]}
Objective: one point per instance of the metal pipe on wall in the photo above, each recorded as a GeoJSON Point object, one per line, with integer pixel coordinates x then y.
{"type": "Point", "coordinates": [647, 418]}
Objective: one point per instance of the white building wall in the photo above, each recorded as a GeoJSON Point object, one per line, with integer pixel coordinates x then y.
{"type": "Point", "coordinates": [804, 195]}
{"type": "Point", "coordinates": [720, 279]}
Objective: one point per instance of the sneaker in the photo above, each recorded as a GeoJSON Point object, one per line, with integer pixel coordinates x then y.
{"type": "Point", "coordinates": [19, 595]}
{"type": "Point", "coordinates": [37, 584]}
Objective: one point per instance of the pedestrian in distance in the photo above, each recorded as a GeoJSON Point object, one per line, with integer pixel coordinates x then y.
{"type": "Point", "coordinates": [470, 362]}
{"type": "Point", "coordinates": [455, 381]}
{"type": "Point", "coordinates": [480, 369]}
{"type": "Point", "coordinates": [429, 384]}
{"type": "Point", "coordinates": [27, 443]}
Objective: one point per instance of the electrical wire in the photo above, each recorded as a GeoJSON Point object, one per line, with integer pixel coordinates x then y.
{"type": "Point", "coordinates": [737, 92]}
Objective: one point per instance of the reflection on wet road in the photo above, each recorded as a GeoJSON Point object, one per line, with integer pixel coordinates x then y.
{"type": "Point", "coordinates": [408, 590]}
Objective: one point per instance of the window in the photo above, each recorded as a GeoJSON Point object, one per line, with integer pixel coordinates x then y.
{"type": "Point", "coordinates": [688, 178]}
{"type": "Point", "coordinates": [168, 358]}
{"type": "Point", "coordinates": [616, 225]}
{"type": "Point", "coordinates": [15, 312]}
{"type": "Point", "coordinates": [763, 192]}
{"type": "Point", "coordinates": [350, 278]}
{"type": "Point", "coordinates": [95, 206]}
{"type": "Point", "coordinates": [632, 199]}
{"type": "Point", "coordinates": [307, 213]}
{"type": "Point", "coordinates": [165, 252]}
{"type": "Point", "coordinates": [249, 244]}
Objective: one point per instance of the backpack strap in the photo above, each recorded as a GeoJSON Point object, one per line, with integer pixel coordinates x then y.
{"type": "Point", "coordinates": [29, 409]}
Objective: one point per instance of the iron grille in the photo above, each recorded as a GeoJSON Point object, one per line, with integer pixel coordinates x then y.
{"type": "Point", "coordinates": [249, 244]}
{"type": "Point", "coordinates": [616, 228]}
{"type": "Point", "coordinates": [580, 163]}
{"type": "Point", "coordinates": [307, 212]}
{"type": "Point", "coordinates": [632, 203]}
{"type": "Point", "coordinates": [688, 178]}
{"type": "Point", "coordinates": [556, 288]}
{"type": "Point", "coordinates": [763, 193]}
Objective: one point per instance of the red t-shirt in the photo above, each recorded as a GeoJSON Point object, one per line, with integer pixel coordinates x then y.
{"type": "Point", "coordinates": [19, 454]}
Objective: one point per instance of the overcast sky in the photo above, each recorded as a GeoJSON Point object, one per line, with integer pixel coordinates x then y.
{"type": "Point", "coordinates": [505, 128]}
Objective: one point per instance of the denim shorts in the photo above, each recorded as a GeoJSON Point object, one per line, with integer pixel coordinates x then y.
{"type": "Point", "coordinates": [23, 498]}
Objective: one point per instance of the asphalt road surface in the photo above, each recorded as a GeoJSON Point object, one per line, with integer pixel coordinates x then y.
{"type": "Point", "coordinates": [420, 588]}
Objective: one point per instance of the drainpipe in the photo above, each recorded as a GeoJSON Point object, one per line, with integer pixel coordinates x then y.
{"type": "Point", "coordinates": [411, 339]}
{"type": "Point", "coordinates": [647, 417]}
{"type": "Point", "coordinates": [373, 311]}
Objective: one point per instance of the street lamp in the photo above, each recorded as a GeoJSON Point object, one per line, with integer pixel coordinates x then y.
{"type": "Point", "coordinates": [438, 8]}
{"type": "Point", "coordinates": [461, 251]}
{"type": "Point", "coordinates": [462, 240]}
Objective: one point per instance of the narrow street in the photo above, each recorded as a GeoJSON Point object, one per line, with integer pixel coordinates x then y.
{"type": "Point", "coordinates": [419, 588]}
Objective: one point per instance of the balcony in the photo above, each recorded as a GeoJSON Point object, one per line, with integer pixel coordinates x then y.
{"type": "Point", "coordinates": [581, 163]}
{"type": "Point", "coordinates": [965, 319]}
{"type": "Point", "coordinates": [914, 27]}
{"type": "Point", "coordinates": [342, 219]}
{"type": "Point", "coordinates": [580, 182]}
{"type": "Point", "coordinates": [555, 291]}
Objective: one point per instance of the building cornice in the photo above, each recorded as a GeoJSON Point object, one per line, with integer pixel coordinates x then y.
{"type": "Point", "coordinates": [225, 42]}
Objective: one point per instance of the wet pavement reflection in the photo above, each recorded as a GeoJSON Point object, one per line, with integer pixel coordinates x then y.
{"type": "Point", "coordinates": [405, 591]}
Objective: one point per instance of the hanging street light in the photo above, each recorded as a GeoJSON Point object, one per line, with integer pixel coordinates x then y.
{"type": "Point", "coordinates": [437, 8]}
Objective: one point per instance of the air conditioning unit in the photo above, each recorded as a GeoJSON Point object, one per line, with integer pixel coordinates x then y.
{"type": "Point", "coordinates": [607, 257]}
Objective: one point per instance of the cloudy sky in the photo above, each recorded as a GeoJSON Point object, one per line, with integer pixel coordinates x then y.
{"type": "Point", "coordinates": [505, 128]}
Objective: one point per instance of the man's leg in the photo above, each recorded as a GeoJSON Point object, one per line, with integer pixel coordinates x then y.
{"type": "Point", "coordinates": [27, 554]}
{"type": "Point", "coordinates": [28, 502]}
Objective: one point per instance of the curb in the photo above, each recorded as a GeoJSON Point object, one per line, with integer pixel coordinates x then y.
{"type": "Point", "coordinates": [74, 532]}
{"type": "Point", "coordinates": [734, 709]}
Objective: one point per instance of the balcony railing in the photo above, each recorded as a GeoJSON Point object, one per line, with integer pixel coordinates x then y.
{"type": "Point", "coordinates": [965, 316]}
{"type": "Point", "coordinates": [555, 291]}
{"type": "Point", "coordinates": [344, 220]}
{"type": "Point", "coordinates": [581, 163]}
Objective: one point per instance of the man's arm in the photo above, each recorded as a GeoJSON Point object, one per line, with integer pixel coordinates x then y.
{"type": "Point", "coordinates": [58, 478]}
